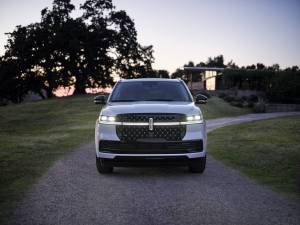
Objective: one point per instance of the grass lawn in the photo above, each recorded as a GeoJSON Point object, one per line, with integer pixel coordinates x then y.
{"type": "Point", "coordinates": [33, 135]}
{"type": "Point", "coordinates": [217, 107]}
{"type": "Point", "coordinates": [268, 151]}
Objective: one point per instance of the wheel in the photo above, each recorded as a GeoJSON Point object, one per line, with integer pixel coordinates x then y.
{"type": "Point", "coordinates": [197, 165]}
{"type": "Point", "coordinates": [102, 168]}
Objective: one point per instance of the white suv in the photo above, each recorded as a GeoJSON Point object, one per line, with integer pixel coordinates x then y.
{"type": "Point", "coordinates": [150, 122]}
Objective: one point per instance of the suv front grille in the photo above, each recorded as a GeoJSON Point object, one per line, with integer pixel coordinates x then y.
{"type": "Point", "coordinates": [136, 133]}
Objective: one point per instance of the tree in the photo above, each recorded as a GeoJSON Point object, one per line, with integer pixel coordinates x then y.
{"type": "Point", "coordinates": [293, 69]}
{"type": "Point", "coordinates": [201, 64]}
{"type": "Point", "coordinates": [116, 39]}
{"type": "Point", "coordinates": [156, 74]}
{"type": "Point", "coordinates": [217, 61]}
{"type": "Point", "coordinates": [252, 67]}
{"type": "Point", "coordinates": [163, 74]}
{"type": "Point", "coordinates": [52, 44]}
{"type": "Point", "coordinates": [232, 65]}
{"type": "Point", "coordinates": [39, 49]}
{"type": "Point", "coordinates": [189, 64]}
{"type": "Point", "coordinates": [21, 58]}
{"type": "Point", "coordinates": [179, 73]}
{"type": "Point", "coordinates": [11, 82]}
{"type": "Point", "coordinates": [260, 66]}
{"type": "Point", "coordinates": [274, 67]}
{"type": "Point", "coordinates": [84, 52]}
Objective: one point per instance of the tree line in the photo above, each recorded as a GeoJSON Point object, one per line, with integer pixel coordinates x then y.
{"type": "Point", "coordinates": [231, 67]}
{"type": "Point", "coordinates": [62, 51]}
{"type": "Point", "coordinates": [279, 85]}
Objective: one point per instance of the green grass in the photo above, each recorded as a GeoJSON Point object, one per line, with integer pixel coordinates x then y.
{"type": "Point", "coordinates": [33, 135]}
{"type": "Point", "coordinates": [217, 107]}
{"type": "Point", "coordinates": [268, 151]}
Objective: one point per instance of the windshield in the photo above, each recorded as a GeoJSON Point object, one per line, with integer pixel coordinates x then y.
{"type": "Point", "coordinates": [150, 91]}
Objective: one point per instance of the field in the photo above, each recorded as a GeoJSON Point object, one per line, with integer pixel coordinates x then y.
{"type": "Point", "coordinates": [33, 135]}
{"type": "Point", "coordinates": [268, 151]}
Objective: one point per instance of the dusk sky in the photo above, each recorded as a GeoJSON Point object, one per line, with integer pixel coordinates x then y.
{"type": "Point", "coordinates": [247, 32]}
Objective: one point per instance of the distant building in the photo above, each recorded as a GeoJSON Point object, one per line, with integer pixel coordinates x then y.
{"type": "Point", "coordinates": [204, 78]}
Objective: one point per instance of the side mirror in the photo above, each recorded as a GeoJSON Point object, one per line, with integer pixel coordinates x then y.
{"type": "Point", "coordinates": [100, 99]}
{"type": "Point", "coordinates": [201, 99]}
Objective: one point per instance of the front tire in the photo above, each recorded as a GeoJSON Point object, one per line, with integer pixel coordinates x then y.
{"type": "Point", "coordinates": [102, 168]}
{"type": "Point", "coordinates": [197, 165]}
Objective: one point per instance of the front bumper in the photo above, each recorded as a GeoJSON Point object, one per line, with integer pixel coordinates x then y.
{"type": "Point", "coordinates": [146, 161]}
{"type": "Point", "coordinates": [194, 132]}
{"type": "Point", "coordinates": [152, 156]}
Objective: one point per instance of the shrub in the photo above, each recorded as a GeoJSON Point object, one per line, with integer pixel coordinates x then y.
{"type": "Point", "coordinates": [250, 104]}
{"type": "Point", "coordinates": [237, 104]}
{"type": "Point", "coordinates": [238, 99]}
{"type": "Point", "coordinates": [252, 98]}
{"type": "Point", "coordinates": [259, 107]}
{"type": "Point", "coordinates": [279, 86]}
{"type": "Point", "coordinates": [244, 98]}
{"type": "Point", "coordinates": [285, 87]}
{"type": "Point", "coordinates": [229, 98]}
{"type": "Point", "coordinates": [222, 95]}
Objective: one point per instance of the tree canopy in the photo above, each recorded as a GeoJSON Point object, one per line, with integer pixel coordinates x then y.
{"type": "Point", "coordinates": [62, 51]}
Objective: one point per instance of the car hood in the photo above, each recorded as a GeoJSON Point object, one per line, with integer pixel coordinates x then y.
{"type": "Point", "coordinates": [112, 109]}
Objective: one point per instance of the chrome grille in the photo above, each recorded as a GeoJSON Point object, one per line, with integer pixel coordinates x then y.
{"type": "Point", "coordinates": [136, 133]}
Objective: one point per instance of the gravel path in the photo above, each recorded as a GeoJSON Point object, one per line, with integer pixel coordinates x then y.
{"type": "Point", "coordinates": [72, 192]}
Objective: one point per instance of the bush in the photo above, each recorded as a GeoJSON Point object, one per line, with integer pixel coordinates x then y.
{"type": "Point", "coordinates": [250, 104]}
{"type": "Point", "coordinates": [237, 104]}
{"type": "Point", "coordinates": [238, 99]}
{"type": "Point", "coordinates": [243, 101]}
{"type": "Point", "coordinates": [279, 86]}
{"type": "Point", "coordinates": [259, 107]}
{"type": "Point", "coordinates": [229, 98]}
{"type": "Point", "coordinates": [285, 87]}
{"type": "Point", "coordinates": [222, 95]}
{"type": "Point", "coordinates": [244, 98]}
{"type": "Point", "coordinates": [252, 98]}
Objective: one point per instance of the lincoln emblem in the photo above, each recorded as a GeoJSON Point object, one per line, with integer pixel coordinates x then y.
{"type": "Point", "coordinates": [151, 124]}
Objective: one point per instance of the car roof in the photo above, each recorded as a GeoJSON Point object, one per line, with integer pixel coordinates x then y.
{"type": "Point", "coordinates": [149, 79]}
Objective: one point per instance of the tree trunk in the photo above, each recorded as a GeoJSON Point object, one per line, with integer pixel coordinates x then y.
{"type": "Point", "coordinates": [40, 93]}
{"type": "Point", "coordinates": [50, 87]}
{"type": "Point", "coordinates": [49, 92]}
{"type": "Point", "coordinates": [79, 86]}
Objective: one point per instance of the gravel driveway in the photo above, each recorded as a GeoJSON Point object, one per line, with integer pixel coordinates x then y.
{"type": "Point", "coordinates": [72, 192]}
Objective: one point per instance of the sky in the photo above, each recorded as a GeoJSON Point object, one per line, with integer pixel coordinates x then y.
{"type": "Point", "coordinates": [247, 32]}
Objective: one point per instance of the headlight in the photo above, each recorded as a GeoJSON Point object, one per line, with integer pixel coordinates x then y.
{"type": "Point", "coordinates": [107, 119]}
{"type": "Point", "coordinates": [190, 119]}
{"type": "Point", "coordinates": [194, 119]}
